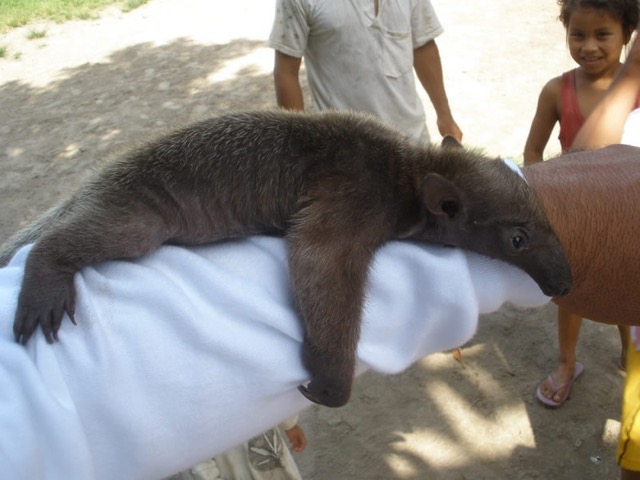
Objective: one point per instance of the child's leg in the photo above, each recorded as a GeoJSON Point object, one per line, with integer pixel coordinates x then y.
{"type": "Point", "coordinates": [624, 341]}
{"type": "Point", "coordinates": [568, 330]}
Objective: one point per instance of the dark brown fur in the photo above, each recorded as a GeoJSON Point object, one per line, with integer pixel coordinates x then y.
{"type": "Point", "coordinates": [338, 185]}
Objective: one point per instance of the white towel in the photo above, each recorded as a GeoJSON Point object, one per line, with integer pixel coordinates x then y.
{"type": "Point", "coordinates": [185, 353]}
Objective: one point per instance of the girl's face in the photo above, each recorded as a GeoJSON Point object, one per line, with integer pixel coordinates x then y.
{"type": "Point", "coordinates": [595, 39]}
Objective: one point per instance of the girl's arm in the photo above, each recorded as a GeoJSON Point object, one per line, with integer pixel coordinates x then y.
{"type": "Point", "coordinates": [547, 114]}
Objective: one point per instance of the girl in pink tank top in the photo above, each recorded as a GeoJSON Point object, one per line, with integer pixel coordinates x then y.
{"type": "Point", "coordinates": [597, 32]}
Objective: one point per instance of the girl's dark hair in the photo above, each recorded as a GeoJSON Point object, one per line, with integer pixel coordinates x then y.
{"type": "Point", "coordinates": [627, 11]}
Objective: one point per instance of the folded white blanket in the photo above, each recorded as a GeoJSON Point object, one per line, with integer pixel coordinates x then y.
{"type": "Point", "coordinates": [185, 353]}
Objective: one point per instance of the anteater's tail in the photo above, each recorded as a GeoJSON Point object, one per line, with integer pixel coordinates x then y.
{"type": "Point", "coordinates": [32, 231]}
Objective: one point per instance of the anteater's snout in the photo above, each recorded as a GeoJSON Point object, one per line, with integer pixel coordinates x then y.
{"type": "Point", "coordinates": [556, 289]}
{"type": "Point", "coordinates": [555, 279]}
{"type": "Point", "coordinates": [559, 285]}
{"type": "Point", "coordinates": [550, 272]}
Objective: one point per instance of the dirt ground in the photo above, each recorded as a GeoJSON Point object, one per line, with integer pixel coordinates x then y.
{"type": "Point", "coordinates": [90, 89]}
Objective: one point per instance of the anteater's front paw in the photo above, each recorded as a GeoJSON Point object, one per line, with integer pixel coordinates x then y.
{"type": "Point", "coordinates": [43, 302]}
{"type": "Point", "coordinates": [332, 377]}
{"type": "Point", "coordinates": [327, 393]}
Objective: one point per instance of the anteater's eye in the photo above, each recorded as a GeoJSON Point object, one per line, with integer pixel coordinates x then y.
{"type": "Point", "coordinates": [518, 242]}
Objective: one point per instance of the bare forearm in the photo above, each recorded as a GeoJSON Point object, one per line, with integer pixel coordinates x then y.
{"type": "Point", "coordinates": [426, 62]}
{"type": "Point", "coordinates": [428, 66]}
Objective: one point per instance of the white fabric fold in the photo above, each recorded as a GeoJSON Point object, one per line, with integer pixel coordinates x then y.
{"type": "Point", "coordinates": [184, 353]}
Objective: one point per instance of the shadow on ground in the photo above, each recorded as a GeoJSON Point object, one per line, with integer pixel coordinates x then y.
{"type": "Point", "coordinates": [478, 419]}
{"type": "Point", "coordinates": [56, 134]}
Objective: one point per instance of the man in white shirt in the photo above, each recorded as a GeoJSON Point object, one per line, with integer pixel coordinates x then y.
{"type": "Point", "coordinates": [359, 55]}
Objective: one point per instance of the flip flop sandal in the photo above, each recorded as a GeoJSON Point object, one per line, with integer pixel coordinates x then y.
{"type": "Point", "coordinates": [550, 402]}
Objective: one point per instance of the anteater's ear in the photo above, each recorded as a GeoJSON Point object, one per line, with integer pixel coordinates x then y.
{"type": "Point", "coordinates": [449, 141]}
{"type": "Point", "coordinates": [440, 196]}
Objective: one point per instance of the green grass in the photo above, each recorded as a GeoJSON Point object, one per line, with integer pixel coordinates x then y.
{"type": "Point", "coordinates": [17, 13]}
{"type": "Point", "coordinates": [132, 4]}
{"type": "Point", "coordinates": [34, 34]}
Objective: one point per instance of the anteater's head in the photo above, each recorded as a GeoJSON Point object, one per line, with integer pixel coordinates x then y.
{"type": "Point", "coordinates": [484, 205]}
